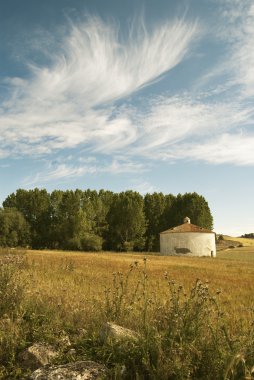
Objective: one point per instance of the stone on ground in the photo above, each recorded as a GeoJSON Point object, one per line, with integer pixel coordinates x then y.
{"type": "Point", "coordinates": [37, 355]}
{"type": "Point", "coordinates": [82, 370]}
{"type": "Point", "coordinates": [118, 333]}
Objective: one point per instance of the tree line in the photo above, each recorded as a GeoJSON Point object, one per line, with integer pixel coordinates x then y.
{"type": "Point", "coordinates": [248, 236]}
{"type": "Point", "coordinates": [95, 220]}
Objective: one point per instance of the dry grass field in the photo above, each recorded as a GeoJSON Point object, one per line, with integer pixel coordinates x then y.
{"type": "Point", "coordinates": [82, 277]}
{"type": "Point", "coordinates": [244, 241]}
{"type": "Point", "coordinates": [208, 302]}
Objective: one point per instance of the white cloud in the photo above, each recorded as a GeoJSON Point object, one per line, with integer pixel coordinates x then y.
{"type": "Point", "coordinates": [71, 103]}
{"type": "Point", "coordinates": [99, 68]}
{"type": "Point", "coordinates": [243, 57]}
{"type": "Point", "coordinates": [55, 107]}
{"type": "Point", "coordinates": [235, 27]}
{"type": "Point", "coordinates": [57, 173]}
{"type": "Point", "coordinates": [239, 32]}
{"type": "Point", "coordinates": [173, 120]}
{"type": "Point", "coordinates": [234, 149]}
{"type": "Point", "coordinates": [123, 166]}
{"type": "Point", "coordinates": [143, 187]}
{"type": "Point", "coordinates": [69, 168]}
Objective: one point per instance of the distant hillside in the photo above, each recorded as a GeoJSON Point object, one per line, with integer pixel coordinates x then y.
{"type": "Point", "coordinates": [230, 242]}
{"type": "Point", "coordinates": [248, 236]}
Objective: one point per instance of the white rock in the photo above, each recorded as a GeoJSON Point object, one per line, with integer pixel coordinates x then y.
{"type": "Point", "coordinates": [82, 370]}
{"type": "Point", "coordinates": [118, 333]}
{"type": "Point", "coordinates": [37, 355]}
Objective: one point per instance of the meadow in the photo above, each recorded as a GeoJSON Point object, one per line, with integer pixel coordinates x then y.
{"type": "Point", "coordinates": [194, 316]}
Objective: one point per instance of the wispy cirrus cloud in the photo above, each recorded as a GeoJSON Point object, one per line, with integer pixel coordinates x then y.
{"type": "Point", "coordinates": [227, 148]}
{"type": "Point", "coordinates": [235, 28]}
{"type": "Point", "coordinates": [56, 106]}
{"type": "Point", "coordinates": [122, 166]}
{"type": "Point", "coordinates": [143, 187]}
{"type": "Point", "coordinates": [54, 173]}
{"type": "Point", "coordinates": [227, 122]}
{"type": "Point", "coordinates": [172, 121]}
{"type": "Point", "coordinates": [69, 168]}
{"type": "Point", "coordinates": [243, 56]}
{"type": "Point", "coordinates": [78, 101]}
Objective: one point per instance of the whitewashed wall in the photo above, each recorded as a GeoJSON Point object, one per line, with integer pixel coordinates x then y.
{"type": "Point", "coordinates": [188, 244]}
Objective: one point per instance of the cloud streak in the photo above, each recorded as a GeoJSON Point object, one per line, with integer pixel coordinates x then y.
{"type": "Point", "coordinates": [69, 168]}
{"type": "Point", "coordinates": [57, 107]}
{"type": "Point", "coordinates": [235, 27]}
{"type": "Point", "coordinates": [79, 100]}
{"type": "Point", "coordinates": [174, 120]}
{"type": "Point", "coordinates": [224, 149]}
{"type": "Point", "coordinates": [243, 56]}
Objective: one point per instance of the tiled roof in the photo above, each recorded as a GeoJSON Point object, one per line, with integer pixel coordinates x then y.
{"type": "Point", "coordinates": [187, 227]}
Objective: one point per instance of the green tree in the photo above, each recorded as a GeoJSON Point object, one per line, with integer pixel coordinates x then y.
{"type": "Point", "coordinates": [154, 207]}
{"type": "Point", "coordinates": [73, 222]}
{"type": "Point", "coordinates": [97, 206]}
{"type": "Point", "coordinates": [166, 217]}
{"type": "Point", "coordinates": [127, 224]}
{"type": "Point", "coordinates": [90, 220]}
{"type": "Point", "coordinates": [55, 220]}
{"type": "Point", "coordinates": [34, 205]}
{"type": "Point", "coordinates": [192, 205]}
{"type": "Point", "coordinates": [72, 219]}
{"type": "Point", "coordinates": [14, 229]}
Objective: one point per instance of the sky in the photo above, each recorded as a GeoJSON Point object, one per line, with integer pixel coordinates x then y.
{"type": "Point", "coordinates": [153, 96]}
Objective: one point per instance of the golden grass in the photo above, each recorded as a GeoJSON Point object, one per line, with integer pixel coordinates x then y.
{"type": "Point", "coordinates": [78, 280]}
{"type": "Point", "coordinates": [65, 292]}
{"type": "Point", "coordinates": [244, 241]}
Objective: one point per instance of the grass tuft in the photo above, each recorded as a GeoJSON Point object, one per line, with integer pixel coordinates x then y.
{"type": "Point", "coordinates": [191, 318]}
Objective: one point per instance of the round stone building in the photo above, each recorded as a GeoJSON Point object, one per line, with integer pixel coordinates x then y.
{"type": "Point", "coordinates": [188, 240]}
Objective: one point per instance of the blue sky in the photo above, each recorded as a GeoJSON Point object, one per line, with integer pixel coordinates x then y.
{"type": "Point", "coordinates": [144, 95]}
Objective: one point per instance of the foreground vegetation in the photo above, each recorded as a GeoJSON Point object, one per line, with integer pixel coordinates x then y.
{"type": "Point", "coordinates": [194, 316]}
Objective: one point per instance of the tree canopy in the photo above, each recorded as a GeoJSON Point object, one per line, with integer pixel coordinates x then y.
{"type": "Point", "coordinates": [14, 229]}
{"type": "Point", "coordinates": [94, 220]}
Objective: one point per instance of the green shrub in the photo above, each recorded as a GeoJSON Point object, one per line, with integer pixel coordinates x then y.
{"type": "Point", "coordinates": [220, 238]}
{"type": "Point", "coordinates": [91, 242]}
{"type": "Point", "coordinates": [86, 242]}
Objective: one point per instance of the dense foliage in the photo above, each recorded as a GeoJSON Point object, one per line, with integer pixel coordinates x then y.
{"type": "Point", "coordinates": [92, 221]}
{"type": "Point", "coordinates": [248, 236]}
{"type": "Point", "coordinates": [14, 229]}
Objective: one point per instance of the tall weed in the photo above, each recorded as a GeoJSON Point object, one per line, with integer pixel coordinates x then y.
{"type": "Point", "coordinates": [186, 335]}
{"type": "Point", "coordinates": [11, 285]}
